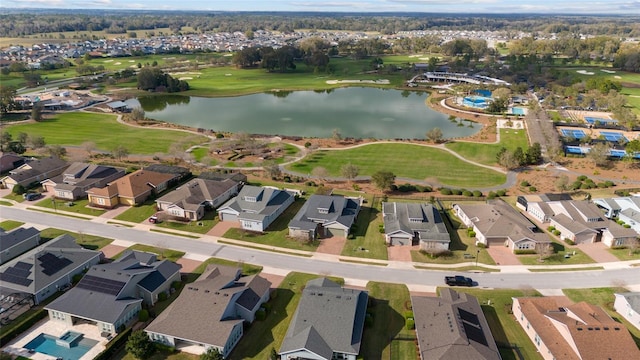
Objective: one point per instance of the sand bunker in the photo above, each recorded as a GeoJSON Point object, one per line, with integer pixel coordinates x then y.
{"type": "Point", "coordinates": [618, 77]}
{"type": "Point", "coordinates": [608, 71]}
{"type": "Point", "coordinates": [424, 58]}
{"type": "Point", "coordinates": [585, 72]}
{"type": "Point", "coordinates": [412, 56]}
{"type": "Point", "coordinates": [381, 82]}
{"type": "Point", "coordinates": [118, 63]}
{"type": "Point", "coordinates": [185, 78]}
{"type": "Point", "coordinates": [228, 74]}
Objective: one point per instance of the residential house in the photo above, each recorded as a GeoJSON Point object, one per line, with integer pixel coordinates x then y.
{"type": "Point", "coordinates": [41, 271]}
{"type": "Point", "coordinates": [10, 161]}
{"type": "Point", "coordinates": [414, 224]}
{"type": "Point", "coordinates": [132, 189]}
{"type": "Point", "coordinates": [628, 305]}
{"type": "Point", "coordinates": [74, 182]}
{"type": "Point", "coordinates": [180, 173]}
{"type": "Point", "coordinates": [452, 326]}
{"type": "Point", "coordinates": [17, 241]}
{"type": "Point", "coordinates": [256, 207]}
{"type": "Point", "coordinates": [110, 295]}
{"type": "Point", "coordinates": [581, 222]}
{"type": "Point", "coordinates": [33, 172]}
{"type": "Point", "coordinates": [325, 216]}
{"type": "Point", "coordinates": [581, 331]}
{"type": "Point", "coordinates": [626, 209]}
{"type": "Point", "coordinates": [190, 200]}
{"type": "Point", "coordinates": [498, 224]}
{"type": "Point", "coordinates": [327, 324]}
{"type": "Point", "coordinates": [221, 176]}
{"type": "Point", "coordinates": [211, 311]}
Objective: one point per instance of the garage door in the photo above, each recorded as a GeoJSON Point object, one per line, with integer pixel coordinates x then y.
{"type": "Point", "coordinates": [228, 217]}
{"type": "Point", "coordinates": [400, 241]}
{"type": "Point", "coordinates": [496, 242]}
{"type": "Point", "coordinates": [328, 232]}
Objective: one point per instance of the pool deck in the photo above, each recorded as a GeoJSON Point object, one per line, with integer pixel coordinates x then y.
{"type": "Point", "coordinates": [55, 328]}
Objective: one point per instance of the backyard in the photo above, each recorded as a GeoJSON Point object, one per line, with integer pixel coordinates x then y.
{"type": "Point", "coordinates": [368, 242]}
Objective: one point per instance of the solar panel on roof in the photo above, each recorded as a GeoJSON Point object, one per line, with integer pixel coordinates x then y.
{"type": "Point", "coordinates": [101, 285]}
{"type": "Point", "coordinates": [17, 272]}
{"type": "Point", "coordinates": [474, 333]}
{"type": "Point", "coordinates": [51, 264]}
{"type": "Point", "coordinates": [15, 279]}
{"type": "Point", "coordinates": [469, 317]}
{"type": "Point", "coordinates": [23, 265]}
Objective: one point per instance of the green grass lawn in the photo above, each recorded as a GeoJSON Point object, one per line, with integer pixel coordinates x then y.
{"type": "Point", "coordinates": [369, 242]}
{"type": "Point", "coordinates": [87, 241]}
{"type": "Point", "coordinates": [75, 206]}
{"type": "Point", "coordinates": [10, 224]}
{"type": "Point", "coordinates": [171, 255]}
{"type": "Point", "coordinates": [14, 197]}
{"type": "Point", "coordinates": [486, 153]}
{"type": "Point", "coordinates": [262, 336]}
{"type": "Point", "coordinates": [558, 258]}
{"type": "Point", "coordinates": [404, 160]}
{"type": "Point", "coordinates": [138, 213]}
{"type": "Point", "coordinates": [625, 254]}
{"type": "Point", "coordinates": [201, 226]}
{"type": "Point", "coordinates": [6, 203]}
{"type": "Point", "coordinates": [104, 131]}
{"type": "Point", "coordinates": [388, 338]}
{"type": "Point", "coordinates": [503, 325]}
{"type": "Point", "coordinates": [277, 233]}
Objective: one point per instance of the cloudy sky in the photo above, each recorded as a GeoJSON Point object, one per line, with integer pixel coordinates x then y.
{"type": "Point", "coordinates": [595, 7]}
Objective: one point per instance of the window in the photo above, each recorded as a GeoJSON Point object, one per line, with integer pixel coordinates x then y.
{"type": "Point", "coordinates": [537, 340]}
{"type": "Point", "coordinates": [100, 201]}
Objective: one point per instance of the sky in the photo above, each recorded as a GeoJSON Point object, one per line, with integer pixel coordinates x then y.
{"type": "Point", "coordinates": [578, 7]}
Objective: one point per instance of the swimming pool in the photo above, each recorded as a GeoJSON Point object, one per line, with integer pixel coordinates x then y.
{"type": "Point", "coordinates": [46, 344]}
{"type": "Point", "coordinates": [518, 111]}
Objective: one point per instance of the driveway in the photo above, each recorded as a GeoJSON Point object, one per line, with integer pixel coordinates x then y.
{"type": "Point", "coordinates": [598, 252]}
{"type": "Point", "coordinates": [222, 227]}
{"type": "Point", "coordinates": [401, 252]}
{"type": "Point", "coordinates": [188, 265]}
{"type": "Point", "coordinates": [502, 255]}
{"type": "Point", "coordinates": [110, 251]}
{"type": "Point", "coordinates": [332, 245]}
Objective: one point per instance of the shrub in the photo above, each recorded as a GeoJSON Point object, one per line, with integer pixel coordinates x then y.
{"type": "Point", "coordinates": [491, 195]}
{"type": "Point", "coordinates": [569, 241]}
{"type": "Point", "coordinates": [532, 189]}
{"type": "Point", "coordinates": [467, 193]}
{"type": "Point", "coordinates": [445, 191]}
{"type": "Point", "coordinates": [524, 183]}
{"type": "Point", "coordinates": [410, 324]}
{"type": "Point", "coordinates": [219, 136]}
{"type": "Point", "coordinates": [602, 185]}
{"type": "Point", "coordinates": [524, 252]}
{"type": "Point", "coordinates": [481, 246]}
{"type": "Point", "coordinates": [18, 189]}
{"type": "Point", "coordinates": [582, 177]}
{"type": "Point", "coordinates": [477, 193]}
{"type": "Point", "coordinates": [472, 234]}
{"type": "Point", "coordinates": [626, 226]}
{"type": "Point", "coordinates": [162, 296]}
{"type": "Point", "coordinates": [408, 314]}
{"type": "Point", "coordinates": [267, 306]}
{"type": "Point", "coordinates": [261, 314]}
{"type": "Point", "coordinates": [501, 192]}
{"type": "Point", "coordinates": [557, 232]}
{"type": "Point", "coordinates": [307, 144]}
{"type": "Point", "coordinates": [609, 183]}
{"type": "Point", "coordinates": [551, 228]}
{"type": "Point", "coordinates": [381, 228]}
{"type": "Point", "coordinates": [143, 315]}
{"type": "Point", "coordinates": [456, 192]}
{"type": "Point", "coordinates": [620, 222]}
{"type": "Point", "coordinates": [356, 187]}
{"type": "Point", "coordinates": [576, 185]}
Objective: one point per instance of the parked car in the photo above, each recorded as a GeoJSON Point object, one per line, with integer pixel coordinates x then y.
{"type": "Point", "coordinates": [154, 219]}
{"type": "Point", "coordinates": [32, 196]}
{"type": "Point", "coordinates": [458, 281]}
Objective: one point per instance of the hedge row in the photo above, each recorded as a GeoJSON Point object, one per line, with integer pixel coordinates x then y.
{"type": "Point", "coordinates": [525, 252]}
{"type": "Point", "coordinates": [114, 345]}
{"type": "Point", "coordinates": [23, 326]}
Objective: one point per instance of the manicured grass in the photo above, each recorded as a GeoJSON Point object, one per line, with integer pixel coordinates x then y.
{"type": "Point", "coordinates": [558, 257]}
{"type": "Point", "coordinates": [201, 226]}
{"type": "Point", "coordinates": [503, 325]}
{"type": "Point", "coordinates": [5, 203]}
{"type": "Point", "coordinates": [14, 197]}
{"type": "Point", "coordinates": [277, 233]}
{"type": "Point", "coordinates": [81, 217]}
{"type": "Point", "coordinates": [76, 206]}
{"type": "Point", "coordinates": [405, 161]}
{"type": "Point", "coordinates": [590, 268]}
{"type": "Point", "coordinates": [87, 241]}
{"type": "Point", "coordinates": [104, 131]}
{"type": "Point", "coordinates": [262, 336]}
{"type": "Point", "coordinates": [174, 233]}
{"type": "Point", "coordinates": [247, 269]}
{"type": "Point", "coordinates": [201, 153]}
{"type": "Point", "coordinates": [171, 255]}
{"type": "Point", "coordinates": [486, 153]}
{"type": "Point", "coordinates": [461, 268]}
{"type": "Point", "coordinates": [138, 213]}
{"type": "Point", "coordinates": [369, 242]}
{"type": "Point", "coordinates": [10, 224]}
{"type": "Point", "coordinates": [275, 249]}
{"type": "Point", "coordinates": [388, 338]}
{"type": "Point", "coordinates": [625, 254]}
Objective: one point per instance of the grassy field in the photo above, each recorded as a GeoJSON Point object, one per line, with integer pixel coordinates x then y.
{"type": "Point", "coordinates": [277, 233]}
{"type": "Point", "coordinates": [505, 329]}
{"type": "Point", "coordinates": [388, 338]}
{"type": "Point", "coordinates": [486, 153]}
{"type": "Point", "coordinates": [369, 242]}
{"type": "Point", "coordinates": [8, 225]}
{"type": "Point", "coordinates": [262, 336]}
{"type": "Point", "coordinates": [105, 132]}
{"type": "Point", "coordinates": [91, 242]}
{"type": "Point", "coordinates": [405, 161]}
{"type": "Point", "coordinates": [76, 206]}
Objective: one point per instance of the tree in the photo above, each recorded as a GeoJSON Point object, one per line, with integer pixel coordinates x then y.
{"type": "Point", "coordinates": [434, 135]}
{"type": "Point", "coordinates": [335, 135]}
{"type": "Point", "coordinates": [350, 171]}
{"type": "Point", "coordinates": [120, 152]}
{"type": "Point", "coordinates": [631, 149]}
{"type": "Point", "coordinates": [5, 139]}
{"type": "Point", "coordinates": [36, 111]}
{"type": "Point", "coordinates": [544, 250]}
{"type": "Point", "coordinates": [139, 345]}
{"type": "Point", "coordinates": [599, 154]}
{"type": "Point", "coordinates": [138, 114]}
{"type": "Point", "coordinates": [57, 151]}
{"type": "Point", "coordinates": [272, 169]}
{"type": "Point", "coordinates": [508, 160]}
{"type": "Point", "coordinates": [562, 183]}
{"type": "Point", "coordinates": [7, 102]}
{"type": "Point", "coordinates": [211, 354]}
{"type": "Point", "coordinates": [383, 179]}
{"type": "Point", "coordinates": [534, 154]}
{"type": "Point", "coordinates": [36, 142]}
{"type": "Point", "coordinates": [89, 147]}
{"type": "Point", "coordinates": [320, 173]}
{"type": "Point", "coordinates": [23, 138]}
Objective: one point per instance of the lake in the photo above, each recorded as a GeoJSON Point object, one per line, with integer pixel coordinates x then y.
{"type": "Point", "coordinates": [355, 112]}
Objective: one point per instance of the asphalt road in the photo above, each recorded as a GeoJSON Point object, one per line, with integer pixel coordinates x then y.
{"type": "Point", "coordinates": [409, 276]}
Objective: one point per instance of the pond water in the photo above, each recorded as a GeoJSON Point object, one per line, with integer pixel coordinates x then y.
{"type": "Point", "coordinates": [355, 112]}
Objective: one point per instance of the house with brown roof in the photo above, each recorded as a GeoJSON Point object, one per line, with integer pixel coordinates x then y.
{"type": "Point", "coordinates": [33, 172]}
{"type": "Point", "coordinates": [498, 224]}
{"type": "Point", "coordinates": [452, 326]}
{"type": "Point", "coordinates": [560, 330]}
{"type": "Point", "coordinates": [79, 177]}
{"type": "Point", "coordinates": [130, 189]}
{"type": "Point", "coordinates": [190, 200]}
{"type": "Point", "coordinates": [211, 311]}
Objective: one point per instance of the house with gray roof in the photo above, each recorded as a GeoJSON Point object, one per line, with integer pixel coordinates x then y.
{"type": "Point", "coordinates": [210, 312]}
{"type": "Point", "coordinates": [256, 207]}
{"type": "Point", "coordinates": [190, 200]}
{"type": "Point", "coordinates": [628, 305]}
{"type": "Point", "coordinates": [33, 172]}
{"type": "Point", "coordinates": [41, 271]}
{"type": "Point", "coordinates": [17, 241]}
{"type": "Point", "coordinates": [327, 324]}
{"type": "Point", "coordinates": [325, 216]}
{"type": "Point", "coordinates": [497, 223]}
{"type": "Point", "coordinates": [414, 224]}
{"type": "Point", "coordinates": [452, 326]}
{"type": "Point", "coordinates": [110, 295]}
{"type": "Point", "coordinates": [9, 161]}
{"type": "Point", "coordinates": [79, 177]}
{"type": "Point", "coordinates": [626, 209]}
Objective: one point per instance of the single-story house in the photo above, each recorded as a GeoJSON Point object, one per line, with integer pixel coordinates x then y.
{"type": "Point", "coordinates": [211, 311]}
{"type": "Point", "coordinates": [468, 336]}
{"type": "Point", "coordinates": [626, 209]}
{"type": "Point", "coordinates": [579, 331]}
{"type": "Point", "coordinates": [256, 207]}
{"type": "Point", "coordinates": [79, 177]}
{"type": "Point", "coordinates": [43, 270]}
{"type": "Point", "coordinates": [10, 161]}
{"type": "Point", "coordinates": [110, 295]}
{"type": "Point", "coordinates": [628, 306]}
{"type": "Point", "coordinates": [130, 189]}
{"type": "Point", "coordinates": [33, 172]}
{"type": "Point", "coordinates": [17, 241]}
{"type": "Point", "coordinates": [496, 223]}
{"type": "Point", "coordinates": [221, 175]}
{"type": "Point", "coordinates": [190, 200]}
{"type": "Point", "coordinates": [325, 216]}
{"type": "Point", "coordinates": [327, 324]}
{"type": "Point", "coordinates": [180, 173]}
{"type": "Point", "coordinates": [414, 224]}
